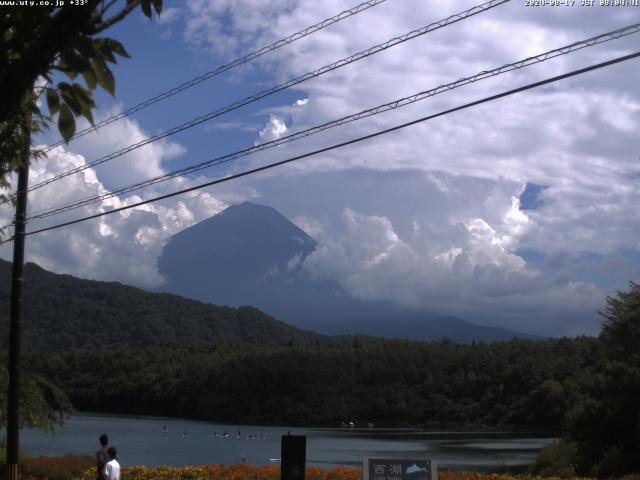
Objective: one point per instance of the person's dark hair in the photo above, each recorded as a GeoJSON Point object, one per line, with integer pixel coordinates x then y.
{"type": "Point", "coordinates": [104, 439]}
{"type": "Point", "coordinates": [112, 452]}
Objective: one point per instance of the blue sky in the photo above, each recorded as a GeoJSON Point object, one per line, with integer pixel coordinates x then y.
{"type": "Point", "coordinates": [521, 212]}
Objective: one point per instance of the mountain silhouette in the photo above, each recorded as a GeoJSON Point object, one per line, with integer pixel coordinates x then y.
{"type": "Point", "coordinates": [231, 258]}
{"type": "Point", "coordinates": [252, 255]}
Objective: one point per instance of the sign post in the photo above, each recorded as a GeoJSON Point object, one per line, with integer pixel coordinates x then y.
{"type": "Point", "coordinates": [385, 468]}
{"type": "Point", "coordinates": [293, 457]}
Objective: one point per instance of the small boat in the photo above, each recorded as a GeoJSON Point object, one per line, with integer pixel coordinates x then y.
{"type": "Point", "coordinates": [185, 434]}
{"type": "Point", "coordinates": [165, 429]}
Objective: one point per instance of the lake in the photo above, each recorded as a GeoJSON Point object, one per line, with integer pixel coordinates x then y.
{"type": "Point", "coordinates": [171, 441]}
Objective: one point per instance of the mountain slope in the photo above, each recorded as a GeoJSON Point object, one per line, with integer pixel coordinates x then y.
{"type": "Point", "coordinates": [223, 258]}
{"type": "Point", "coordinates": [252, 255]}
{"type": "Point", "coordinates": [61, 312]}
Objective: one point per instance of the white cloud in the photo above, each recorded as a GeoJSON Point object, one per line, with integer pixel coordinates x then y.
{"type": "Point", "coordinates": [209, 24]}
{"type": "Point", "coordinates": [139, 164]}
{"type": "Point", "coordinates": [166, 24]}
{"type": "Point", "coordinates": [465, 269]}
{"type": "Point", "coordinates": [575, 136]}
{"type": "Point", "coordinates": [123, 246]}
{"type": "Point", "coordinates": [169, 15]}
{"type": "Point", "coordinates": [274, 129]}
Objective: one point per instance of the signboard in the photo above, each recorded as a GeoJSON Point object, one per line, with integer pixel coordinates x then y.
{"type": "Point", "coordinates": [384, 468]}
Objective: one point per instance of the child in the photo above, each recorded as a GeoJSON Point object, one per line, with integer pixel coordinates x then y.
{"type": "Point", "coordinates": [112, 468]}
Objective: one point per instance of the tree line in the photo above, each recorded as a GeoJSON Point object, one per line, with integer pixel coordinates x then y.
{"type": "Point", "coordinates": [518, 384]}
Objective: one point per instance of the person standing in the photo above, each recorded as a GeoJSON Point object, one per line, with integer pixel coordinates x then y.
{"type": "Point", "coordinates": [102, 456]}
{"type": "Point", "coordinates": [112, 468]}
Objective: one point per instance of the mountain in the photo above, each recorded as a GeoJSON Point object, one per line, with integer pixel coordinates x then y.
{"type": "Point", "coordinates": [252, 255]}
{"type": "Point", "coordinates": [245, 248]}
{"type": "Point", "coordinates": [467, 332]}
{"type": "Point", "coordinates": [62, 312]}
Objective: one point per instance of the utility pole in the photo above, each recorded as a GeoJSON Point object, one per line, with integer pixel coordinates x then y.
{"type": "Point", "coordinates": [15, 315]}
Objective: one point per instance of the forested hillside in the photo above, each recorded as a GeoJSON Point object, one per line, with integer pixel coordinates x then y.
{"type": "Point", "coordinates": [517, 384]}
{"type": "Point", "coordinates": [63, 312]}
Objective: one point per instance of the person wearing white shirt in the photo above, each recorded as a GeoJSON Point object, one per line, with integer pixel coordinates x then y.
{"type": "Point", "coordinates": [112, 467]}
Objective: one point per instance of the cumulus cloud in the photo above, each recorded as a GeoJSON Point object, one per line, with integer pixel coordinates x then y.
{"type": "Point", "coordinates": [466, 269]}
{"type": "Point", "coordinates": [139, 164]}
{"type": "Point", "coordinates": [274, 129]}
{"type": "Point", "coordinates": [210, 24]}
{"type": "Point", "coordinates": [446, 243]}
{"type": "Point", "coordinates": [123, 246]}
{"type": "Point", "coordinates": [575, 136]}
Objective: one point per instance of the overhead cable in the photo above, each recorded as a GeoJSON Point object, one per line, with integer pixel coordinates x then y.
{"type": "Point", "coordinates": [606, 37]}
{"type": "Point", "coordinates": [295, 81]}
{"type": "Point", "coordinates": [343, 144]}
{"type": "Point", "coordinates": [223, 68]}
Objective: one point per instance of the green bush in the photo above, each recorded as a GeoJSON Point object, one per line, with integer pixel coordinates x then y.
{"type": "Point", "coordinates": [558, 459]}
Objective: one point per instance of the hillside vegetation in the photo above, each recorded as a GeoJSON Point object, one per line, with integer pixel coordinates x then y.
{"type": "Point", "coordinates": [63, 312]}
{"type": "Point", "coordinates": [517, 384]}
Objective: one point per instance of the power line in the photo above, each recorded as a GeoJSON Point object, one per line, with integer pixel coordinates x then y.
{"type": "Point", "coordinates": [344, 144]}
{"type": "Point", "coordinates": [606, 37]}
{"type": "Point", "coordinates": [223, 68]}
{"type": "Point", "coordinates": [297, 80]}
{"type": "Point", "coordinates": [316, 73]}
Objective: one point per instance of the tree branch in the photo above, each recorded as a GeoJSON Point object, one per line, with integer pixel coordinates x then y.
{"type": "Point", "coordinates": [116, 18]}
{"type": "Point", "coordinates": [107, 6]}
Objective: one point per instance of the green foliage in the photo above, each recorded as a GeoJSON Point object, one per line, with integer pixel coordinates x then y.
{"type": "Point", "coordinates": [63, 312]}
{"type": "Point", "coordinates": [37, 42]}
{"type": "Point", "coordinates": [395, 383]}
{"type": "Point", "coordinates": [621, 326]}
{"type": "Point", "coordinates": [605, 425]}
{"type": "Point", "coordinates": [42, 404]}
{"type": "Point", "coordinates": [558, 459]}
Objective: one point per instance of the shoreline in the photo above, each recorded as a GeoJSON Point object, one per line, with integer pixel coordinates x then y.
{"type": "Point", "coordinates": [426, 428]}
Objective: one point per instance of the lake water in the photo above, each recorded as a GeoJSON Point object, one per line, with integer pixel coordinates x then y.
{"type": "Point", "coordinates": [170, 441]}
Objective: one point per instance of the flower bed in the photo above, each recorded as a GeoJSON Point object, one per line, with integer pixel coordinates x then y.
{"type": "Point", "coordinates": [226, 472]}
{"type": "Point", "coordinates": [57, 468]}
{"type": "Point", "coordinates": [69, 466]}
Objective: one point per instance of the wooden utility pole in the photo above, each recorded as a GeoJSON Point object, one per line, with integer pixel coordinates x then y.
{"type": "Point", "coordinates": [15, 314]}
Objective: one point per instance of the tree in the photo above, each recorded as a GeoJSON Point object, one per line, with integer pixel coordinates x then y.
{"type": "Point", "coordinates": [36, 42]}
{"type": "Point", "coordinates": [621, 327]}
{"type": "Point", "coordinates": [606, 425]}
{"type": "Point", "coordinates": [43, 404]}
